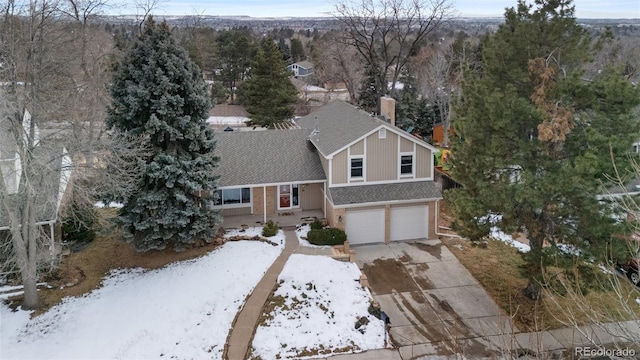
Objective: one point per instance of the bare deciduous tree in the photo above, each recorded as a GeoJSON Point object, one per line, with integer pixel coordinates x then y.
{"type": "Point", "coordinates": [335, 63]}
{"type": "Point", "coordinates": [54, 61]}
{"type": "Point", "coordinates": [387, 32]}
{"type": "Point", "coordinates": [437, 82]}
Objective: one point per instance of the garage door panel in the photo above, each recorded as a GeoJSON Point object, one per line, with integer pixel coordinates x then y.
{"type": "Point", "coordinates": [365, 226]}
{"type": "Point", "coordinates": [408, 223]}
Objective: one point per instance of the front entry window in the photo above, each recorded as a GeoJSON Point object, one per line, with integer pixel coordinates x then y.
{"type": "Point", "coordinates": [287, 196]}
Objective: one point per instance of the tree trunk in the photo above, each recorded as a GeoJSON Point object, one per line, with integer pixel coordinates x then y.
{"type": "Point", "coordinates": [30, 282]}
{"type": "Point", "coordinates": [28, 268]}
{"type": "Point", "coordinates": [533, 290]}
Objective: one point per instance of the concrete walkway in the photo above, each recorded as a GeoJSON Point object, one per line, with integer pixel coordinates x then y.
{"type": "Point", "coordinates": [242, 331]}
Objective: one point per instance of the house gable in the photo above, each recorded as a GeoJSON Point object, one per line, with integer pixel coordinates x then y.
{"type": "Point", "coordinates": [382, 151]}
{"type": "Point", "coordinates": [361, 149]}
{"type": "Point", "coordinates": [337, 125]}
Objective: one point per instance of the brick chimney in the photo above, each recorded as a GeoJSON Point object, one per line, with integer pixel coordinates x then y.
{"type": "Point", "coordinates": [388, 109]}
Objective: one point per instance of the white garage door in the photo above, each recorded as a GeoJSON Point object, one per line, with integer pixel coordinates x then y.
{"type": "Point", "coordinates": [408, 223]}
{"type": "Point", "coordinates": [365, 226]}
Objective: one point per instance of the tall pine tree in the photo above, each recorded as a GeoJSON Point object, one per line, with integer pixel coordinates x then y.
{"type": "Point", "coordinates": [534, 139]}
{"type": "Point", "coordinates": [235, 51]}
{"type": "Point", "coordinates": [159, 93]}
{"type": "Point", "coordinates": [368, 94]}
{"type": "Point", "coordinates": [268, 94]}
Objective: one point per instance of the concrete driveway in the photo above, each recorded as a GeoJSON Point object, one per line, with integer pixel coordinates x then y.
{"type": "Point", "coordinates": [435, 305]}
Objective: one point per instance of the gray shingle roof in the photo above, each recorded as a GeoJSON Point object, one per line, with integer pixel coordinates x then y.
{"type": "Point", "coordinates": [338, 124]}
{"type": "Point", "coordinates": [266, 157]}
{"type": "Point", "coordinates": [304, 64]}
{"type": "Point", "coordinates": [422, 190]}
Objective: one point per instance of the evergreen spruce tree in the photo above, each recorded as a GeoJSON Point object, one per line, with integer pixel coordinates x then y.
{"type": "Point", "coordinates": [425, 117]}
{"type": "Point", "coordinates": [407, 101]}
{"type": "Point", "coordinates": [368, 96]}
{"type": "Point", "coordinates": [268, 94]}
{"type": "Point", "coordinates": [159, 93]}
{"type": "Point", "coordinates": [534, 140]}
{"type": "Point", "coordinates": [235, 51]}
{"type": "Point", "coordinates": [297, 50]}
{"type": "Point", "coordinates": [285, 50]}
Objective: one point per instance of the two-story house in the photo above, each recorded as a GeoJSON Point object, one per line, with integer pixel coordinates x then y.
{"type": "Point", "coordinates": [367, 176]}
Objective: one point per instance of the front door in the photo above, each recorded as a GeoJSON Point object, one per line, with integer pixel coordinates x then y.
{"type": "Point", "coordinates": [287, 196]}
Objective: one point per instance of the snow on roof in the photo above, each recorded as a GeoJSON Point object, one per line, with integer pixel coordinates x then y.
{"type": "Point", "coordinates": [227, 120]}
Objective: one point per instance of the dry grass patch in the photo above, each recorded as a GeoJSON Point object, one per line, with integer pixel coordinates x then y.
{"type": "Point", "coordinates": [498, 269]}
{"type": "Point", "coordinates": [570, 304]}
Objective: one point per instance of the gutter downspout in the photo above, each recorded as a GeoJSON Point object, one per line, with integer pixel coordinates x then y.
{"type": "Point", "coordinates": [324, 200]}
{"type": "Point", "coordinates": [264, 204]}
{"type": "Point", "coordinates": [438, 227]}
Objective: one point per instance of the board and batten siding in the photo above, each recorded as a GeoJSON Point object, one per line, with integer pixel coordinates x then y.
{"type": "Point", "coordinates": [340, 168]}
{"type": "Point", "coordinates": [357, 148]}
{"type": "Point", "coordinates": [424, 164]}
{"type": "Point", "coordinates": [382, 157]}
{"type": "Point", "coordinates": [311, 196]}
{"type": "Point", "coordinates": [406, 145]}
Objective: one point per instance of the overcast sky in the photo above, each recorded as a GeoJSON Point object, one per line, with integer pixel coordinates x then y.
{"type": "Point", "coordinates": [315, 8]}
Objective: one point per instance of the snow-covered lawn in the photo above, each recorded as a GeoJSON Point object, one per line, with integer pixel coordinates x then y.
{"type": "Point", "coordinates": [315, 310]}
{"type": "Point", "coordinates": [181, 311]}
{"type": "Point", "coordinates": [185, 310]}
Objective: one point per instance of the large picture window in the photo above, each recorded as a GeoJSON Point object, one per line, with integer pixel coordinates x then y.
{"type": "Point", "coordinates": [237, 196]}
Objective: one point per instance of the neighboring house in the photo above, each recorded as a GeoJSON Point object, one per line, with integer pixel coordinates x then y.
{"type": "Point", "coordinates": [301, 69]}
{"type": "Point", "coordinates": [50, 184]}
{"type": "Point", "coordinates": [369, 177]}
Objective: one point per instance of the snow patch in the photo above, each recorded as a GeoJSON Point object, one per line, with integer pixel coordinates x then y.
{"type": "Point", "coordinates": [605, 270]}
{"type": "Point", "coordinates": [496, 233]}
{"type": "Point", "coordinates": [322, 300]}
{"type": "Point", "coordinates": [112, 204]}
